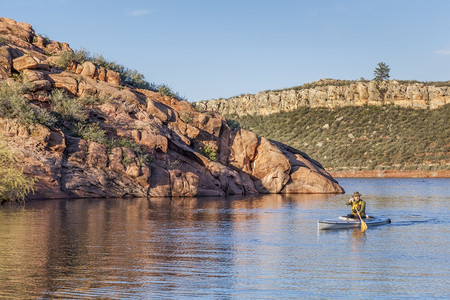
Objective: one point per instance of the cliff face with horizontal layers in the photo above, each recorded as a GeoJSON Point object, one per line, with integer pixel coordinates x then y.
{"type": "Point", "coordinates": [187, 153]}
{"type": "Point", "coordinates": [333, 93]}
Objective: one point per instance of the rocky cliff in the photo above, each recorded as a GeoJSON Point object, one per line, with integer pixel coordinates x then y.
{"type": "Point", "coordinates": [334, 93]}
{"type": "Point", "coordinates": [165, 148]}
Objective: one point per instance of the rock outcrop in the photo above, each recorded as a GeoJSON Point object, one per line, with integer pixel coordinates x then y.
{"type": "Point", "coordinates": [164, 147]}
{"type": "Point", "coordinates": [334, 93]}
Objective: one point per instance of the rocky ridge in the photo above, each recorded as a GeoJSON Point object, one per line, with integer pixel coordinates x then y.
{"type": "Point", "coordinates": [171, 133]}
{"type": "Point", "coordinates": [331, 94]}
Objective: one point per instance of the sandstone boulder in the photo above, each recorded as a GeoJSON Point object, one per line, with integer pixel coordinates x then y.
{"type": "Point", "coordinates": [183, 184]}
{"type": "Point", "coordinates": [56, 48]}
{"type": "Point", "coordinates": [154, 141]}
{"type": "Point", "coordinates": [210, 124]}
{"type": "Point", "coordinates": [21, 30]}
{"type": "Point", "coordinates": [113, 77]}
{"type": "Point", "coordinates": [89, 69]}
{"type": "Point", "coordinates": [243, 150]}
{"type": "Point", "coordinates": [40, 85]}
{"type": "Point", "coordinates": [160, 185]}
{"type": "Point", "coordinates": [25, 62]}
{"type": "Point", "coordinates": [307, 181]}
{"type": "Point", "coordinates": [159, 110]}
{"type": "Point", "coordinates": [97, 156]}
{"type": "Point", "coordinates": [230, 181]}
{"type": "Point", "coordinates": [115, 160]}
{"type": "Point", "coordinates": [56, 141]}
{"type": "Point", "coordinates": [33, 75]}
{"type": "Point", "coordinates": [100, 74]}
{"type": "Point", "coordinates": [76, 151]}
{"type": "Point", "coordinates": [270, 167]}
{"type": "Point", "coordinates": [64, 80]}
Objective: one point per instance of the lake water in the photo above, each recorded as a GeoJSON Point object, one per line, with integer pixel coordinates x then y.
{"type": "Point", "coordinates": [265, 247]}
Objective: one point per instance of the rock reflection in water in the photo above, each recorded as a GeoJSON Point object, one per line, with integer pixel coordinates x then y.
{"type": "Point", "coordinates": [92, 246]}
{"type": "Point", "coordinates": [257, 247]}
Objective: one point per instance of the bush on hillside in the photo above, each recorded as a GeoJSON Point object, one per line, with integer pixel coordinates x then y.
{"type": "Point", "coordinates": [13, 105]}
{"type": "Point", "coordinates": [208, 152]}
{"type": "Point", "coordinates": [141, 154]}
{"type": "Point", "coordinates": [69, 109]}
{"type": "Point", "coordinates": [3, 40]}
{"type": "Point", "coordinates": [91, 132]}
{"type": "Point", "coordinates": [128, 76]}
{"type": "Point", "coordinates": [14, 184]}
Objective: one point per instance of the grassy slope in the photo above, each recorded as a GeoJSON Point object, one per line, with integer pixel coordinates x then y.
{"type": "Point", "coordinates": [361, 138]}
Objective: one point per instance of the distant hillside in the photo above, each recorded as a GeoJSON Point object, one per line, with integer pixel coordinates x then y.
{"type": "Point", "coordinates": [384, 137]}
{"type": "Point", "coordinates": [334, 93]}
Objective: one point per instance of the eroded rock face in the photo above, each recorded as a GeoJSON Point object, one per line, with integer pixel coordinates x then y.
{"type": "Point", "coordinates": [157, 145]}
{"type": "Point", "coordinates": [5, 62]}
{"type": "Point", "coordinates": [271, 168]}
{"type": "Point", "coordinates": [20, 30]}
{"type": "Point", "coordinates": [243, 150]}
{"type": "Point", "coordinates": [331, 94]}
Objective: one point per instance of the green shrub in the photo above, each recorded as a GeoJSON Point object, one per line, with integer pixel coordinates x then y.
{"type": "Point", "coordinates": [3, 40]}
{"type": "Point", "coordinates": [14, 105]}
{"type": "Point", "coordinates": [46, 38]}
{"type": "Point", "coordinates": [164, 90]}
{"type": "Point", "coordinates": [208, 152]}
{"type": "Point", "coordinates": [44, 117]}
{"type": "Point", "coordinates": [65, 59]}
{"type": "Point", "coordinates": [69, 109]}
{"type": "Point", "coordinates": [187, 117]}
{"type": "Point", "coordinates": [126, 160]}
{"type": "Point", "coordinates": [91, 132]}
{"type": "Point", "coordinates": [91, 101]}
{"type": "Point", "coordinates": [14, 184]}
{"type": "Point", "coordinates": [141, 154]}
{"type": "Point", "coordinates": [81, 55]}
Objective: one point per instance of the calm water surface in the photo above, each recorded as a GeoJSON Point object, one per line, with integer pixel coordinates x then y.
{"type": "Point", "coordinates": [256, 247]}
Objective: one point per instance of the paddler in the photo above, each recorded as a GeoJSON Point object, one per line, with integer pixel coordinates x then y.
{"type": "Point", "coordinates": [358, 205]}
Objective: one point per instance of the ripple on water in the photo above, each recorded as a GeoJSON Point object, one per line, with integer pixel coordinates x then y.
{"type": "Point", "coordinates": [259, 247]}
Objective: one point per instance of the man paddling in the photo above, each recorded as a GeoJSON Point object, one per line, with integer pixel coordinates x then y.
{"type": "Point", "coordinates": [358, 205]}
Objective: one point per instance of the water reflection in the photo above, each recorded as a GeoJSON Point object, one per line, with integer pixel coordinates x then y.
{"type": "Point", "coordinates": [183, 247]}
{"type": "Point", "coordinates": [86, 245]}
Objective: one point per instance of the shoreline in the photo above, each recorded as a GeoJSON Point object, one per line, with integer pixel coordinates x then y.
{"type": "Point", "coordinates": [390, 174]}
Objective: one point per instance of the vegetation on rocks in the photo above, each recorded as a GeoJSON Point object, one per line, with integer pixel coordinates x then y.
{"type": "Point", "coordinates": [128, 76]}
{"type": "Point", "coordinates": [14, 184]}
{"type": "Point", "coordinates": [14, 105]}
{"type": "Point", "coordinates": [361, 138]}
{"type": "Point", "coordinates": [67, 108]}
{"type": "Point", "coordinates": [91, 132]}
{"type": "Point", "coordinates": [209, 152]}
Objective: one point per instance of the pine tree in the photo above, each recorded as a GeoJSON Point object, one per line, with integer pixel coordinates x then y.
{"type": "Point", "coordinates": [381, 72]}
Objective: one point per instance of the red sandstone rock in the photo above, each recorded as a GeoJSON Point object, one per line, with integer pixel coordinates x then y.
{"type": "Point", "coordinates": [243, 150]}
{"type": "Point", "coordinates": [169, 132]}
{"type": "Point", "coordinates": [271, 168]}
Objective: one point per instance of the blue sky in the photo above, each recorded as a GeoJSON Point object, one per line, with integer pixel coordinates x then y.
{"type": "Point", "coordinates": [211, 49]}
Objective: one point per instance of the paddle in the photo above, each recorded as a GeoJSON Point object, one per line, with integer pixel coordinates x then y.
{"type": "Point", "coordinates": [363, 224]}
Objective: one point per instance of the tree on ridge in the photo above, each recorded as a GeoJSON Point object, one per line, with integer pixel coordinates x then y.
{"type": "Point", "coordinates": [381, 72]}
